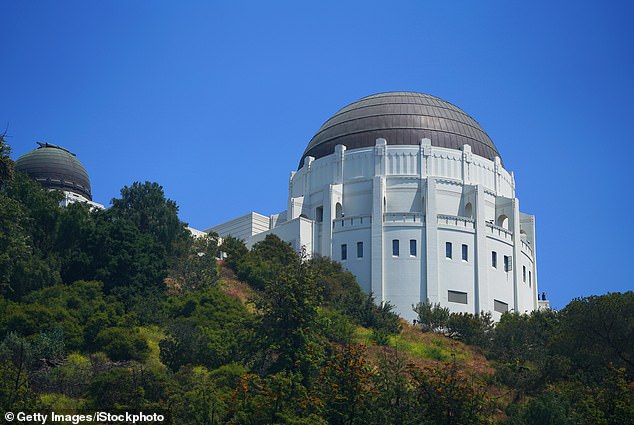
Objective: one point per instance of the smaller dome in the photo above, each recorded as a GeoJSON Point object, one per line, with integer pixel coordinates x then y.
{"type": "Point", "coordinates": [55, 167]}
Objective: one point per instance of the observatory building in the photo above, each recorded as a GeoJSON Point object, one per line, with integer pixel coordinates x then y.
{"type": "Point", "coordinates": [55, 167]}
{"type": "Point", "coordinates": [409, 193]}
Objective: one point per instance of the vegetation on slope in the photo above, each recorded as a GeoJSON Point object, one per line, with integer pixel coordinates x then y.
{"type": "Point", "coordinates": [123, 310]}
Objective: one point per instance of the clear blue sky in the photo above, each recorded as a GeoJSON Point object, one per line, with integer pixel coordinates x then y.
{"type": "Point", "coordinates": [216, 101]}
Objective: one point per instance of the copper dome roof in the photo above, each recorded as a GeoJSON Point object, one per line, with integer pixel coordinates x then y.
{"type": "Point", "coordinates": [402, 118]}
{"type": "Point", "coordinates": [55, 168]}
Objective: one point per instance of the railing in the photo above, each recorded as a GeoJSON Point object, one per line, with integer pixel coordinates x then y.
{"type": "Point", "coordinates": [403, 217]}
{"type": "Point", "coordinates": [457, 221]}
{"type": "Point", "coordinates": [527, 247]}
{"type": "Point", "coordinates": [354, 221]}
{"type": "Point", "coordinates": [499, 231]}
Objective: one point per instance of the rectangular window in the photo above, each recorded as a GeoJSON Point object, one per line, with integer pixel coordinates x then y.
{"type": "Point", "coordinates": [524, 274]}
{"type": "Point", "coordinates": [530, 280]}
{"type": "Point", "coordinates": [500, 307]}
{"type": "Point", "coordinates": [448, 250]}
{"type": "Point", "coordinates": [359, 249]}
{"type": "Point", "coordinates": [494, 259]}
{"type": "Point", "coordinates": [395, 248]}
{"type": "Point", "coordinates": [412, 247]}
{"type": "Point", "coordinates": [457, 297]}
{"type": "Point", "coordinates": [508, 263]}
{"type": "Point", "coordinates": [465, 252]}
{"type": "Point", "coordinates": [319, 214]}
{"type": "Point", "coordinates": [344, 252]}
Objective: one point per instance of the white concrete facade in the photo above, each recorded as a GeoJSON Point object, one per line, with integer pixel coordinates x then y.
{"type": "Point", "coordinates": [389, 212]}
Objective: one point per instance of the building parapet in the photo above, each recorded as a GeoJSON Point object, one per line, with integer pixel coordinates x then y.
{"type": "Point", "coordinates": [500, 232]}
{"type": "Point", "coordinates": [403, 217]}
{"type": "Point", "coordinates": [351, 222]}
{"type": "Point", "coordinates": [457, 221]}
{"type": "Point", "coordinates": [527, 247]}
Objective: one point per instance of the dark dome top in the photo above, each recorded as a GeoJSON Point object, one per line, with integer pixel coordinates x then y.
{"type": "Point", "coordinates": [55, 168]}
{"type": "Point", "coordinates": [402, 118]}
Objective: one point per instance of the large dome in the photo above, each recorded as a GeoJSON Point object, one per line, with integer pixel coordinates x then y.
{"type": "Point", "coordinates": [55, 168]}
{"type": "Point", "coordinates": [402, 118]}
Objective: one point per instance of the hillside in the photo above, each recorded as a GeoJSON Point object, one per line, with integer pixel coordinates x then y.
{"type": "Point", "coordinates": [122, 310]}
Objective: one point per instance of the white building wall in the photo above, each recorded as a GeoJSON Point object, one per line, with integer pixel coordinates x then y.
{"type": "Point", "coordinates": [425, 193]}
{"type": "Point", "coordinates": [243, 227]}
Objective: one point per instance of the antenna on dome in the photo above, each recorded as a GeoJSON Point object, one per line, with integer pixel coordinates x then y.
{"type": "Point", "coordinates": [50, 145]}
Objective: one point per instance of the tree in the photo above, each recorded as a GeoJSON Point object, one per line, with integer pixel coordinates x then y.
{"type": "Point", "coordinates": [207, 328]}
{"type": "Point", "coordinates": [473, 329]}
{"type": "Point", "coordinates": [343, 386]}
{"type": "Point", "coordinates": [122, 344]}
{"type": "Point", "coordinates": [235, 249]}
{"type": "Point", "coordinates": [432, 317]}
{"type": "Point", "coordinates": [198, 268]}
{"type": "Point", "coordinates": [28, 225]}
{"type": "Point", "coordinates": [447, 396]}
{"type": "Point", "coordinates": [145, 205]}
{"type": "Point", "coordinates": [288, 310]}
{"type": "Point", "coordinates": [265, 261]}
{"type": "Point", "coordinates": [6, 164]}
{"type": "Point", "coordinates": [598, 330]}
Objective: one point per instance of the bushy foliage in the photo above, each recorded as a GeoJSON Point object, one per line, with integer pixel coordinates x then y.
{"type": "Point", "coordinates": [473, 329]}
{"type": "Point", "coordinates": [145, 206]}
{"type": "Point", "coordinates": [207, 328]}
{"type": "Point", "coordinates": [122, 344]}
{"type": "Point", "coordinates": [235, 250]}
{"type": "Point", "coordinates": [341, 291]}
{"type": "Point", "coordinates": [78, 288]}
{"type": "Point", "coordinates": [265, 261]}
{"type": "Point", "coordinates": [598, 329]}
{"type": "Point", "coordinates": [432, 317]}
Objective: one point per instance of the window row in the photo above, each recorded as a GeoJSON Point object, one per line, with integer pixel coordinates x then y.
{"type": "Point", "coordinates": [508, 266]}
{"type": "Point", "coordinates": [449, 251]}
{"type": "Point", "coordinates": [461, 298]}
{"type": "Point", "coordinates": [344, 251]}
{"type": "Point", "coordinates": [508, 261]}
{"type": "Point", "coordinates": [396, 248]}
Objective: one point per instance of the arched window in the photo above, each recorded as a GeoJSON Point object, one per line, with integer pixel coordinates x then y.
{"type": "Point", "coordinates": [503, 221]}
{"type": "Point", "coordinates": [468, 210]}
{"type": "Point", "coordinates": [338, 210]}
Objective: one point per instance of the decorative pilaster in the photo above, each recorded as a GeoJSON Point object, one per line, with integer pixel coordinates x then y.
{"type": "Point", "coordinates": [380, 150]}
{"type": "Point", "coordinates": [482, 300]}
{"type": "Point", "coordinates": [497, 170]}
{"type": "Point", "coordinates": [378, 194]}
{"type": "Point", "coordinates": [466, 164]}
{"type": "Point", "coordinates": [340, 157]}
{"type": "Point", "coordinates": [431, 240]}
{"type": "Point", "coordinates": [517, 252]}
{"type": "Point", "coordinates": [424, 155]}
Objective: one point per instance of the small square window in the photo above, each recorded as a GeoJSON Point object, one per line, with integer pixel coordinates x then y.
{"type": "Point", "coordinates": [494, 259]}
{"type": "Point", "coordinates": [395, 248]}
{"type": "Point", "coordinates": [465, 252]}
{"type": "Point", "coordinates": [344, 252]}
{"type": "Point", "coordinates": [359, 249]}
{"type": "Point", "coordinates": [412, 247]}
{"type": "Point", "coordinates": [448, 252]}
